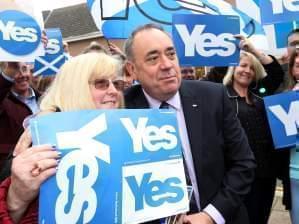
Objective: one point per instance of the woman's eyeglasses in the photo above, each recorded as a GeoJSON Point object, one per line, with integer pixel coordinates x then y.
{"type": "Point", "coordinates": [103, 84]}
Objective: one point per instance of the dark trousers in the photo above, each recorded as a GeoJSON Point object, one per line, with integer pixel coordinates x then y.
{"type": "Point", "coordinates": [259, 200]}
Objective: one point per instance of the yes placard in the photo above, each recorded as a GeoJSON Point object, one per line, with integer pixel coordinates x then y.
{"type": "Point", "coordinates": [54, 57]}
{"type": "Point", "coordinates": [20, 33]}
{"type": "Point", "coordinates": [117, 166]}
{"type": "Point", "coordinates": [200, 43]}
{"type": "Point", "coordinates": [277, 11]}
{"type": "Point", "coordinates": [283, 116]}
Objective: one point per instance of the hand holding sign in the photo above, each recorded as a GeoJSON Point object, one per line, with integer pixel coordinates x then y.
{"type": "Point", "coordinates": [25, 184]}
{"type": "Point", "coordinates": [128, 173]}
{"type": "Point", "coordinates": [246, 45]}
{"type": "Point", "coordinates": [45, 39]}
{"type": "Point", "coordinates": [201, 217]}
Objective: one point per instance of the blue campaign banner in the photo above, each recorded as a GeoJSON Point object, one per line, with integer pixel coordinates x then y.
{"type": "Point", "coordinates": [119, 19]}
{"type": "Point", "coordinates": [277, 11]}
{"type": "Point", "coordinates": [283, 116]}
{"type": "Point", "coordinates": [20, 36]}
{"type": "Point", "coordinates": [54, 58]}
{"type": "Point", "coordinates": [276, 33]}
{"type": "Point", "coordinates": [199, 42]}
{"type": "Point", "coordinates": [117, 166]}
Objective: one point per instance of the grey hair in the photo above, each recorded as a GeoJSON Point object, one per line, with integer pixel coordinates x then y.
{"type": "Point", "coordinates": [258, 68]}
{"type": "Point", "coordinates": [129, 42]}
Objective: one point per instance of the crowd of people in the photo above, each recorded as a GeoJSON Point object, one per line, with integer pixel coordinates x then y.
{"type": "Point", "coordinates": [226, 140]}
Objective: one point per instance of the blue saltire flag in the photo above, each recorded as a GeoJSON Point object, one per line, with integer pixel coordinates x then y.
{"type": "Point", "coordinates": [117, 166]}
{"type": "Point", "coordinates": [283, 116]}
{"type": "Point", "coordinates": [117, 18]}
{"type": "Point", "coordinates": [54, 57]}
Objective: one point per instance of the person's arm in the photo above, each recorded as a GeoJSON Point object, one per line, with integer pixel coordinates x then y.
{"type": "Point", "coordinates": [31, 215]}
{"type": "Point", "coordinates": [274, 72]}
{"type": "Point", "coordinates": [6, 80]}
{"type": "Point", "coordinates": [239, 161]}
{"type": "Point", "coordinates": [274, 78]}
{"type": "Point", "coordinates": [31, 166]}
{"type": "Point", "coordinates": [246, 45]}
{"type": "Point", "coordinates": [239, 165]}
{"type": "Point", "coordinates": [115, 50]}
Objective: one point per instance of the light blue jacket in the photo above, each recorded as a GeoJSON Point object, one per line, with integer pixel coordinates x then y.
{"type": "Point", "coordinates": [294, 163]}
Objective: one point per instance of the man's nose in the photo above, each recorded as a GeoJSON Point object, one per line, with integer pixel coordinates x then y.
{"type": "Point", "coordinates": [165, 62]}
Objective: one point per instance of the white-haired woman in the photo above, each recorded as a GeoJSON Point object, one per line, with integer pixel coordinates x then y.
{"type": "Point", "coordinates": [255, 76]}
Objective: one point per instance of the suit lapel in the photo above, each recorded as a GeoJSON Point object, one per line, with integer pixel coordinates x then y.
{"type": "Point", "coordinates": [141, 101]}
{"type": "Point", "coordinates": [135, 98]}
{"type": "Point", "coordinates": [193, 117]}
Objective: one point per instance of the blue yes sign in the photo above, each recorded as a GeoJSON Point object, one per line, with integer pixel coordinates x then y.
{"type": "Point", "coordinates": [117, 166]}
{"type": "Point", "coordinates": [199, 42]}
{"type": "Point", "coordinates": [50, 63]}
{"type": "Point", "coordinates": [276, 11]}
{"type": "Point", "coordinates": [283, 116]}
{"type": "Point", "coordinates": [20, 34]}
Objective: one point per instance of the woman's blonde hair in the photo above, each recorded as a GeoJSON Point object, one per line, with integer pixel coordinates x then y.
{"type": "Point", "coordinates": [70, 90]}
{"type": "Point", "coordinates": [258, 69]}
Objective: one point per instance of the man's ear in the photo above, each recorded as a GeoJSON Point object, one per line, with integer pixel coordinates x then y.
{"type": "Point", "coordinates": [131, 69]}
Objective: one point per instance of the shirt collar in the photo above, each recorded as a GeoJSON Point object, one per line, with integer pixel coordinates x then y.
{"type": "Point", "coordinates": [31, 94]}
{"type": "Point", "coordinates": [174, 102]}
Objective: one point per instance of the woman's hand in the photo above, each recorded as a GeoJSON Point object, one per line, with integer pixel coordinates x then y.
{"type": "Point", "coordinates": [31, 166]}
{"type": "Point", "coordinates": [247, 46]}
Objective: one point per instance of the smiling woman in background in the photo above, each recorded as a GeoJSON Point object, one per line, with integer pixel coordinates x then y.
{"type": "Point", "coordinates": [89, 81]}
{"type": "Point", "coordinates": [255, 76]}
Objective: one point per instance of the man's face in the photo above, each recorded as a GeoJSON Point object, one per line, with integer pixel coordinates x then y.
{"type": "Point", "coordinates": [188, 73]}
{"type": "Point", "coordinates": [22, 78]}
{"type": "Point", "coordinates": [293, 41]}
{"type": "Point", "coordinates": [155, 64]}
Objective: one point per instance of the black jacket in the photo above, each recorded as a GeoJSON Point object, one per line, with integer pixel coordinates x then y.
{"type": "Point", "coordinates": [223, 161]}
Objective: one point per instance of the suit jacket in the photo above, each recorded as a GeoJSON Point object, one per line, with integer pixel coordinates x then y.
{"type": "Point", "coordinates": [223, 161]}
{"type": "Point", "coordinates": [12, 113]}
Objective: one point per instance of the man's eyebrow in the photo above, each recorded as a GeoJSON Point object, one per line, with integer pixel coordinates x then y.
{"type": "Point", "coordinates": [152, 52]}
{"type": "Point", "coordinates": [170, 49]}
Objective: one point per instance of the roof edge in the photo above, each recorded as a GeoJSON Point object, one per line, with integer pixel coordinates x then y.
{"type": "Point", "coordinates": [83, 37]}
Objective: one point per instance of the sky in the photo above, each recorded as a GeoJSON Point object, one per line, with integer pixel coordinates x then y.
{"type": "Point", "coordinates": [52, 4]}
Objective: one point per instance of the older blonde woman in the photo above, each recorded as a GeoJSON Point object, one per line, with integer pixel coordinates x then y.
{"type": "Point", "coordinates": [89, 81]}
{"type": "Point", "coordinates": [256, 75]}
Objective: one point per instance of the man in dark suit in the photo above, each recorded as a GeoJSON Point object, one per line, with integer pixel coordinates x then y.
{"type": "Point", "coordinates": [219, 161]}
